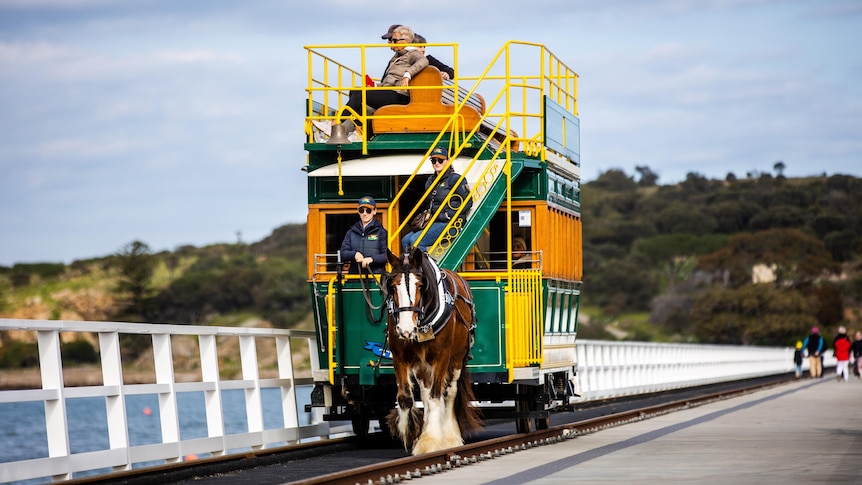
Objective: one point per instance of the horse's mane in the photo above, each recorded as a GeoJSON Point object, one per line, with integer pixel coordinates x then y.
{"type": "Point", "coordinates": [430, 270]}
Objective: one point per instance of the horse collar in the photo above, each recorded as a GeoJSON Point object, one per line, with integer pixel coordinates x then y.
{"type": "Point", "coordinates": [440, 309]}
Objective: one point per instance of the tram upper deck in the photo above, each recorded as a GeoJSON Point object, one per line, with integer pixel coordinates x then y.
{"type": "Point", "coordinates": [512, 131]}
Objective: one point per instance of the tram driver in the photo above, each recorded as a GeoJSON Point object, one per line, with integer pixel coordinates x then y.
{"type": "Point", "coordinates": [364, 245]}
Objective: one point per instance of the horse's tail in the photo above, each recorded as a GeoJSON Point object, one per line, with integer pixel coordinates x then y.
{"type": "Point", "coordinates": [469, 417]}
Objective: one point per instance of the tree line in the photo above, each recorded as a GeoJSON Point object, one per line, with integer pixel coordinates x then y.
{"type": "Point", "coordinates": [691, 255]}
{"type": "Point", "coordinates": [754, 261]}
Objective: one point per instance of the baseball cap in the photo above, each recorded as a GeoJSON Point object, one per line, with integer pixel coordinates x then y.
{"type": "Point", "coordinates": [367, 201]}
{"type": "Point", "coordinates": [439, 152]}
{"type": "Point", "coordinates": [388, 34]}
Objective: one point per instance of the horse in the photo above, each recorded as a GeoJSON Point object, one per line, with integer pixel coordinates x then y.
{"type": "Point", "coordinates": [430, 331]}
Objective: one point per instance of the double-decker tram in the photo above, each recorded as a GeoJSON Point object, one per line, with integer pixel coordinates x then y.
{"type": "Point", "coordinates": [512, 131]}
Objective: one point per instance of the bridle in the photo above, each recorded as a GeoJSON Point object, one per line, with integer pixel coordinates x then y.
{"type": "Point", "coordinates": [413, 306]}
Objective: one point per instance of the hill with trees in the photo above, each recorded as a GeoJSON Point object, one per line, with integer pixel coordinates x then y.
{"type": "Point", "coordinates": [753, 261]}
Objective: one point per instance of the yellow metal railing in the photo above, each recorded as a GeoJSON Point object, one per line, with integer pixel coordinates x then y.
{"type": "Point", "coordinates": [524, 319]}
{"type": "Point", "coordinates": [516, 81]}
{"type": "Point", "coordinates": [517, 70]}
{"type": "Point", "coordinates": [333, 328]}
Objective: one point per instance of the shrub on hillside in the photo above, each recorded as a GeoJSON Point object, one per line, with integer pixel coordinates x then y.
{"type": "Point", "coordinates": [15, 354]}
{"type": "Point", "coordinates": [79, 352]}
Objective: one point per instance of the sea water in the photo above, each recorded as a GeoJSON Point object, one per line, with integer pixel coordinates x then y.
{"type": "Point", "coordinates": [23, 435]}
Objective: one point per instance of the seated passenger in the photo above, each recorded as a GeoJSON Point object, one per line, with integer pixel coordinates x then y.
{"type": "Point", "coordinates": [438, 159]}
{"type": "Point", "coordinates": [521, 259]}
{"type": "Point", "coordinates": [403, 65]}
{"type": "Point", "coordinates": [445, 71]}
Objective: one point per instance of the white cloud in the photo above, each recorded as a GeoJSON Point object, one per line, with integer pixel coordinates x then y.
{"type": "Point", "coordinates": [181, 122]}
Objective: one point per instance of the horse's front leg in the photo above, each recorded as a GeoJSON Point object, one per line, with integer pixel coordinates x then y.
{"type": "Point", "coordinates": [451, 430]}
{"type": "Point", "coordinates": [433, 430]}
{"type": "Point", "coordinates": [404, 421]}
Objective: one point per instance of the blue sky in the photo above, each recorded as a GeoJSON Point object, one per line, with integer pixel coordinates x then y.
{"type": "Point", "coordinates": [180, 122]}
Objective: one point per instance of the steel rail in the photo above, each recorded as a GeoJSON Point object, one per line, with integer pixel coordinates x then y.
{"type": "Point", "coordinates": [401, 469]}
{"type": "Point", "coordinates": [395, 471]}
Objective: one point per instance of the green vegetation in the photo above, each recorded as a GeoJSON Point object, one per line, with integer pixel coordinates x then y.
{"type": "Point", "coordinates": [662, 263]}
{"type": "Point", "coordinates": [221, 284]}
{"type": "Point", "coordinates": [689, 255]}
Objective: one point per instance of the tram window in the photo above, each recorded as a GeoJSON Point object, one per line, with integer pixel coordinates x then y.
{"type": "Point", "coordinates": [496, 245]}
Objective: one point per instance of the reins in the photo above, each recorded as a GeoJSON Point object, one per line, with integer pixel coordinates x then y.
{"type": "Point", "coordinates": [364, 276]}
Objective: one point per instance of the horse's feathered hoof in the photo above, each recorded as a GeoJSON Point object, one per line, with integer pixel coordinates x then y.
{"type": "Point", "coordinates": [407, 432]}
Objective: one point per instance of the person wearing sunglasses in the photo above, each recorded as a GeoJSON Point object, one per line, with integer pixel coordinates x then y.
{"type": "Point", "coordinates": [364, 245]}
{"type": "Point", "coordinates": [404, 64]}
{"type": "Point", "coordinates": [447, 183]}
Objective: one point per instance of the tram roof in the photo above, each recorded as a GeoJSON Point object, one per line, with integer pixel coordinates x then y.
{"type": "Point", "coordinates": [386, 165]}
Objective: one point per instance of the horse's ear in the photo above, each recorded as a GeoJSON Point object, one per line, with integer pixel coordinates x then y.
{"type": "Point", "coordinates": [416, 258]}
{"type": "Point", "coordinates": [385, 281]}
{"type": "Point", "coordinates": [393, 260]}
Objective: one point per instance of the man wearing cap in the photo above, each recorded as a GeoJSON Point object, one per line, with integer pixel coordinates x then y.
{"type": "Point", "coordinates": [388, 34]}
{"type": "Point", "coordinates": [403, 65]}
{"type": "Point", "coordinates": [364, 245]}
{"type": "Point", "coordinates": [813, 344]}
{"type": "Point", "coordinates": [445, 185]}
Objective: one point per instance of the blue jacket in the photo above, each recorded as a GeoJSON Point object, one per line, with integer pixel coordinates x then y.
{"type": "Point", "coordinates": [370, 241]}
{"type": "Point", "coordinates": [813, 344]}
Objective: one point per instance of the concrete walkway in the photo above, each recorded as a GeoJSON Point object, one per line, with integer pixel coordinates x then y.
{"type": "Point", "coordinates": [808, 431]}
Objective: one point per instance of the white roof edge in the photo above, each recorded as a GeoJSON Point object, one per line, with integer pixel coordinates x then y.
{"type": "Point", "coordinates": [562, 164]}
{"type": "Point", "coordinates": [383, 165]}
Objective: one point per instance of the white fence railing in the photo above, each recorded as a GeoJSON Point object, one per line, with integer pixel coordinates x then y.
{"type": "Point", "coordinates": [605, 370]}
{"type": "Point", "coordinates": [608, 369]}
{"type": "Point", "coordinates": [61, 463]}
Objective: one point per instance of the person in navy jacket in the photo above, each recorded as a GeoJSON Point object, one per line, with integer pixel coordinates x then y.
{"type": "Point", "coordinates": [364, 245]}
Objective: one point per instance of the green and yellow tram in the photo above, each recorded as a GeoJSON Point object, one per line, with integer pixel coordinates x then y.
{"type": "Point", "coordinates": [513, 132]}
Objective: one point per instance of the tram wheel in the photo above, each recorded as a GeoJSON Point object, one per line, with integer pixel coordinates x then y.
{"type": "Point", "coordinates": [384, 426]}
{"type": "Point", "coordinates": [522, 425]}
{"type": "Point", "coordinates": [360, 426]}
{"type": "Point", "coordinates": [543, 423]}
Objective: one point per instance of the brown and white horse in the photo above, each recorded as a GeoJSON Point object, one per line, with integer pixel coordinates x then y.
{"type": "Point", "coordinates": [430, 325]}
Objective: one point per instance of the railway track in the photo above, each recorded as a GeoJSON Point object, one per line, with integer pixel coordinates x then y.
{"type": "Point", "coordinates": [376, 460]}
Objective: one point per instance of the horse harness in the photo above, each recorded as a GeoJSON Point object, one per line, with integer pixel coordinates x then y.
{"type": "Point", "coordinates": [434, 316]}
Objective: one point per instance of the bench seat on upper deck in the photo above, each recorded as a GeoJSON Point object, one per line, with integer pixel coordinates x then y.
{"type": "Point", "coordinates": [428, 105]}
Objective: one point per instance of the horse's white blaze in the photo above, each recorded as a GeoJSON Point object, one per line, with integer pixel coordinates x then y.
{"type": "Point", "coordinates": [407, 296]}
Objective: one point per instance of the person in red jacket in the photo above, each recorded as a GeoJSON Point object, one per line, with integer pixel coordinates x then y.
{"type": "Point", "coordinates": [842, 344]}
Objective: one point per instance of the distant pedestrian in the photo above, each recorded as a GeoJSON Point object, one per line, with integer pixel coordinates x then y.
{"type": "Point", "coordinates": [813, 345]}
{"type": "Point", "coordinates": [856, 352]}
{"type": "Point", "coordinates": [797, 358]}
{"type": "Point", "coordinates": [841, 346]}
